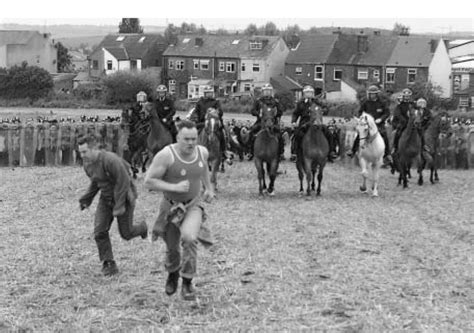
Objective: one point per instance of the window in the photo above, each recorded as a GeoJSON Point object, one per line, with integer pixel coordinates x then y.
{"type": "Point", "coordinates": [170, 64]}
{"type": "Point", "coordinates": [390, 75]}
{"type": "Point", "coordinates": [95, 64]}
{"type": "Point", "coordinates": [247, 87]}
{"type": "Point", "coordinates": [299, 70]}
{"type": "Point", "coordinates": [255, 45]}
{"type": "Point", "coordinates": [109, 64]}
{"type": "Point", "coordinates": [464, 81]}
{"type": "Point", "coordinates": [204, 65]}
{"type": "Point", "coordinates": [120, 38]}
{"type": "Point", "coordinates": [318, 73]}
{"type": "Point", "coordinates": [172, 86]}
{"type": "Point", "coordinates": [411, 77]}
{"type": "Point", "coordinates": [464, 101]}
{"type": "Point", "coordinates": [362, 74]}
{"type": "Point", "coordinates": [243, 67]}
{"type": "Point", "coordinates": [230, 67]}
{"type": "Point", "coordinates": [256, 68]}
{"type": "Point", "coordinates": [221, 66]}
{"type": "Point", "coordinates": [196, 63]}
{"type": "Point", "coordinates": [376, 75]}
{"type": "Point", "coordinates": [337, 75]}
{"type": "Point", "coordinates": [179, 65]}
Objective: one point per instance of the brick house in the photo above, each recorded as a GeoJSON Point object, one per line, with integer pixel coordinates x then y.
{"type": "Point", "coordinates": [35, 48]}
{"type": "Point", "coordinates": [232, 64]}
{"type": "Point", "coordinates": [461, 53]}
{"type": "Point", "coordinates": [126, 52]}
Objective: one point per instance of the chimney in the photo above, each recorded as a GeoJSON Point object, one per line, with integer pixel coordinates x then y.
{"type": "Point", "coordinates": [376, 32]}
{"type": "Point", "coordinates": [198, 41]}
{"type": "Point", "coordinates": [294, 40]}
{"type": "Point", "coordinates": [405, 31]}
{"type": "Point", "coordinates": [338, 31]}
{"type": "Point", "coordinates": [362, 43]}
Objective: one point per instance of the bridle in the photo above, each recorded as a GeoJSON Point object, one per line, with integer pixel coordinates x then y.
{"type": "Point", "coordinates": [369, 138]}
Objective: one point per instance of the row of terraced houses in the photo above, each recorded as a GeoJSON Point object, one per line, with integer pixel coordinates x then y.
{"type": "Point", "coordinates": [236, 65]}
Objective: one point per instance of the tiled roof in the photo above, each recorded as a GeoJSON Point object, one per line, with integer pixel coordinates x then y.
{"type": "Point", "coordinates": [16, 36]}
{"type": "Point", "coordinates": [285, 82]}
{"type": "Point", "coordinates": [411, 52]}
{"type": "Point", "coordinates": [233, 46]}
{"type": "Point", "coordinates": [379, 50]}
{"type": "Point", "coordinates": [136, 45]}
{"type": "Point", "coordinates": [119, 53]}
{"type": "Point", "coordinates": [312, 49]}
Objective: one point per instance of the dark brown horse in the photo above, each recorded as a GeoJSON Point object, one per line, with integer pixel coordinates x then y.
{"type": "Point", "coordinates": [409, 146]}
{"type": "Point", "coordinates": [209, 137]}
{"type": "Point", "coordinates": [313, 152]}
{"type": "Point", "coordinates": [266, 151]}
{"type": "Point", "coordinates": [439, 125]}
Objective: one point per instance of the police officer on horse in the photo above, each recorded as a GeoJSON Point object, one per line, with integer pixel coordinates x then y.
{"type": "Point", "coordinates": [164, 108]}
{"type": "Point", "coordinates": [303, 113]}
{"type": "Point", "coordinates": [198, 115]}
{"type": "Point", "coordinates": [379, 110]}
{"type": "Point", "coordinates": [267, 99]}
{"type": "Point", "coordinates": [400, 116]}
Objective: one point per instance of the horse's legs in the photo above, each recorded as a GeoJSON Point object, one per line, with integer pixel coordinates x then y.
{"type": "Point", "coordinates": [214, 169]}
{"type": "Point", "coordinates": [364, 173]}
{"type": "Point", "coordinates": [375, 174]}
{"type": "Point", "coordinates": [299, 167]}
{"type": "Point", "coordinates": [272, 169]}
{"type": "Point", "coordinates": [320, 178]}
{"type": "Point", "coordinates": [309, 176]}
{"type": "Point", "coordinates": [260, 175]}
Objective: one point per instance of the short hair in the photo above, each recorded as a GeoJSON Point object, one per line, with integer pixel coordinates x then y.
{"type": "Point", "coordinates": [90, 138]}
{"type": "Point", "coordinates": [185, 123]}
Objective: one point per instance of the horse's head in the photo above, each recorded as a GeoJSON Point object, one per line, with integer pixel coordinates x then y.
{"type": "Point", "coordinates": [445, 128]}
{"type": "Point", "coordinates": [366, 128]}
{"type": "Point", "coordinates": [268, 116]}
{"type": "Point", "coordinates": [212, 123]}
{"type": "Point", "coordinates": [315, 114]}
{"type": "Point", "coordinates": [415, 116]}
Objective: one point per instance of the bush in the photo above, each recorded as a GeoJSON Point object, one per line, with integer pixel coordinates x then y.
{"type": "Point", "coordinates": [89, 91]}
{"type": "Point", "coordinates": [122, 87]}
{"type": "Point", "coordinates": [25, 82]}
{"type": "Point", "coordinates": [342, 109]}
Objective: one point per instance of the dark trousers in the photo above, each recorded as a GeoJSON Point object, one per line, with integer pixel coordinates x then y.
{"type": "Point", "coordinates": [103, 221]}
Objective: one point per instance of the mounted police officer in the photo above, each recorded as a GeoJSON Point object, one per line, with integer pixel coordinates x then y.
{"type": "Point", "coordinates": [303, 113]}
{"type": "Point", "coordinates": [400, 116]}
{"type": "Point", "coordinates": [267, 99]}
{"type": "Point", "coordinates": [198, 115]}
{"type": "Point", "coordinates": [379, 110]}
{"type": "Point", "coordinates": [164, 108]}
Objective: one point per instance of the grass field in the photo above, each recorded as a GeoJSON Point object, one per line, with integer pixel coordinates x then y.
{"type": "Point", "coordinates": [340, 262]}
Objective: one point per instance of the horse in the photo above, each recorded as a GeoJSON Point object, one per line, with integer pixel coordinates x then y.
{"type": "Point", "coordinates": [266, 151]}
{"type": "Point", "coordinates": [148, 135]}
{"type": "Point", "coordinates": [312, 153]}
{"type": "Point", "coordinates": [209, 137]}
{"type": "Point", "coordinates": [371, 151]}
{"type": "Point", "coordinates": [438, 126]}
{"type": "Point", "coordinates": [409, 145]}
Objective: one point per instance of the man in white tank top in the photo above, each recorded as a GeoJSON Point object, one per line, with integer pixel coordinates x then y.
{"type": "Point", "coordinates": [179, 171]}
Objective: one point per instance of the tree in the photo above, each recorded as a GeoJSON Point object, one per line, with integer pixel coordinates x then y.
{"type": "Point", "coordinates": [270, 29]}
{"type": "Point", "coordinates": [400, 29]}
{"type": "Point", "coordinates": [26, 82]}
{"type": "Point", "coordinates": [291, 35]}
{"type": "Point", "coordinates": [64, 58]}
{"type": "Point", "coordinates": [130, 26]}
{"type": "Point", "coordinates": [171, 34]}
{"type": "Point", "coordinates": [222, 32]}
{"type": "Point", "coordinates": [251, 30]}
{"type": "Point", "coordinates": [201, 30]}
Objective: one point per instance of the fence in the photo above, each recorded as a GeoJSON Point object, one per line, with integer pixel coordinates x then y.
{"type": "Point", "coordinates": [53, 145]}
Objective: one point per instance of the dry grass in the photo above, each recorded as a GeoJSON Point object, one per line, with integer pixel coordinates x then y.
{"type": "Point", "coordinates": [341, 262]}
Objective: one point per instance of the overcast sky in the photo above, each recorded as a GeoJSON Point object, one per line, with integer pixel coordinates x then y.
{"type": "Point", "coordinates": [238, 14]}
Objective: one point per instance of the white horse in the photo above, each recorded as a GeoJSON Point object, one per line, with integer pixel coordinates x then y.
{"type": "Point", "coordinates": [371, 150]}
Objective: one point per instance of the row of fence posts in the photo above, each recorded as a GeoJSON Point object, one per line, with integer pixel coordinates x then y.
{"type": "Point", "coordinates": [46, 144]}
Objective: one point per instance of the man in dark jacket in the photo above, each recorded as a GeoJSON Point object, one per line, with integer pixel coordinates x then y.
{"type": "Point", "coordinates": [303, 113]}
{"type": "Point", "coordinates": [198, 115]}
{"type": "Point", "coordinates": [378, 109]}
{"type": "Point", "coordinates": [400, 116]}
{"type": "Point", "coordinates": [164, 108]}
{"type": "Point", "coordinates": [268, 100]}
{"type": "Point", "coordinates": [109, 174]}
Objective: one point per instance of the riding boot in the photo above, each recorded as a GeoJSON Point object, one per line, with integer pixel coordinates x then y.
{"type": "Point", "coordinates": [281, 147]}
{"type": "Point", "coordinates": [251, 144]}
{"type": "Point", "coordinates": [329, 138]}
{"type": "Point", "coordinates": [293, 148]}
